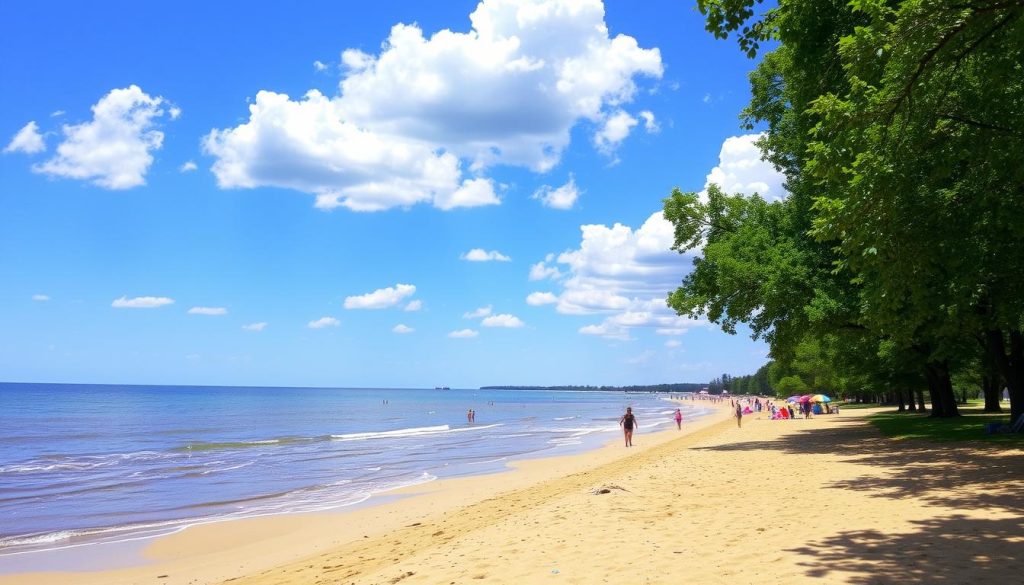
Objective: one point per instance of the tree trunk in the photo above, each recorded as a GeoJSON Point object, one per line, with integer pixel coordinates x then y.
{"type": "Point", "coordinates": [991, 388]}
{"type": "Point", "coordinates": [911, 400]}
{"type": "Point", "coordinates": [920, 401]}
{"type": "Point", "coordinates": [1010, 361]}
{"type": "Point", "coordinates": [940, 388]}
{"type": "Point", "coordinates": [901, 407]}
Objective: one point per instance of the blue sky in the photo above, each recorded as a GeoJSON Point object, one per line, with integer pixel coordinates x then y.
{"type": "Point", "coordinates": [369, 194]}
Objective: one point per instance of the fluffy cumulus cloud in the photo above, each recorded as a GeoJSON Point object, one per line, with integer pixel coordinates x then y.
{"type": "Point", "coordinates": [188, 167]}
{"type": "Point", "coordinates": [27, 140]}
{"type": "Point", "coordinates": [323, 322]}
{"type": "Point", "coordinates": [463, 334]}
{"type": "Point", "coordinates": [502, 320]}
{"type": "Point", "coordinates": [414, 305]}
{"type": "Point", "coordinates": [563, 197]}
{"type": "Point", "coordinates": [544, 269]}
{"type": "Point", "coordinates": [481, 255]}
{"type": "Point", "coordinates": [478, 313]}
{"type": "Point", "coordinates": [741, 170]}
{"type": "Point", "coordinates": [621, 274]}
{"type": "Point", "coordinates": [402, 329]}
{"type": "Point", "coordinates": [409, 123]}
{"type": "Point", "coordinates": [114, 150]}
{"type": "Point", "coordinates": [650, 123]}
{"type": "Point", "coordinates": [212, 311]}
{"type": "Point", "coordinates": [141, 302]}
{"type": "Point", "coordinates": [260, 326]}
{"type": "Point", "coordinates": [537, 299]}
{"type": "Point", "coordinates": [614, 130]}
{"type": "Point", "coordinates": [381, 298]}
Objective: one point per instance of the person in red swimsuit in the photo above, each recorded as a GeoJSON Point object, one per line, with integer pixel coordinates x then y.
{"type": "Point", "coordinates": [628, 423]}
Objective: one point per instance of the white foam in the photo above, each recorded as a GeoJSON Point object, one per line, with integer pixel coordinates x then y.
{"type": "Point", "coordinates": [413, 432]}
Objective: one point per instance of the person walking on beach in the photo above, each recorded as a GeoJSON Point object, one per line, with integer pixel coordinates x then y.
{"type": "Point", "coordinates": [739, 416]}
{"type": "Point", "coordinates": [627, 422]}
{"type": "Point", "coordinates": [679, 419]}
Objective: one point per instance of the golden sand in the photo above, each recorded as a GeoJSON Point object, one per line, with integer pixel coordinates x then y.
{"type": "Point", "coordinates": [825, 500]}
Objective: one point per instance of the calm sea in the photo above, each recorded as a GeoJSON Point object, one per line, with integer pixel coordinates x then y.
{"type": "Point", "coordinates": [92, 463]}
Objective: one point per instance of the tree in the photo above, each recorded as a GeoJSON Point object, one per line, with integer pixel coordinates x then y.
{"type": "Point", "coordinates": [899, 127]}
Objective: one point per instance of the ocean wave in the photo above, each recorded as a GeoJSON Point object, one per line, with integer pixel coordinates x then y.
{"type": "Point", "coordinates": [410, 432]}
{"type": "Point", "coordinates": [77, 462]}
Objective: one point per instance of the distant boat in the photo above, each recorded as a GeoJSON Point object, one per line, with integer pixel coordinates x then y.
{"type": "Point", "coordinates": [441, 388]}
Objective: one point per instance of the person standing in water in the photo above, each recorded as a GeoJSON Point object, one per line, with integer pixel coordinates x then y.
{"type": "Point", "coordinates": [679, 419]}
{"type": "Point", "coordinates": [628, 422]}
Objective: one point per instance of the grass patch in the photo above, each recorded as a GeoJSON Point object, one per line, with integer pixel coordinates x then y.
{"type": "Point", "coordinates": [860, 405]}
{"type": "Point", "coordinates": [968, 427]}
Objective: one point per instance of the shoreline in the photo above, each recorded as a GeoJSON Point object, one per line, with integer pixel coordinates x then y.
{"type": "Point", "coordinates": [827, 499]}
{"type": "Point", "coordinates": [198, 549]}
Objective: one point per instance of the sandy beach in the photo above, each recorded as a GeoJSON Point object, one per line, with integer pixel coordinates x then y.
{"type": "Point", "coordinates": [820, 500]}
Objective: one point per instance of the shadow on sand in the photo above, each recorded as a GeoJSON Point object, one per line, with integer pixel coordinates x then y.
{"type": "Point", "coordinates": [942, 550]}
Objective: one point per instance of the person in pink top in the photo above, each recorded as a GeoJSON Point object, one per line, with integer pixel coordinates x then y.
{"type": "Point", "coordinates": [679, 419]}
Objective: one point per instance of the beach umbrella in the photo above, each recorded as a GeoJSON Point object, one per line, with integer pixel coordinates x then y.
{"type": "Point", "coordinates": [793, 399]}
{"type": "Point", "coordinates": [820, 398]}
{"type": "Point", "coordinates": [806, 398]}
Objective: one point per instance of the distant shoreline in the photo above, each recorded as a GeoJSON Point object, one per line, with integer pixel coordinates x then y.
{"type": "Point", "coordinates": [680, 387]}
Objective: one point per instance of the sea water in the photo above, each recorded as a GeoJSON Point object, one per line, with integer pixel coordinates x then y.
{"type": "Point", "coordinates": [84, 464]}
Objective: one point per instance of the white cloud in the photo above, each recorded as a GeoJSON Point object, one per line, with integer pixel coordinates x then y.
{"type": "Point", "coordinates": [27, 140]}
{"type": "Point", "coordinates": [503, 320]}
{"type": "Point", "coordinates": [40, 298]}
{"type": "Point", "coordinates": [616, 128]}
{"type": "Point", "coordinates": [472, 193]}
{"type": "Point", "coordinates": [414, 305]}
{"type": "Point", "coordinates": [561, 198]}
{"type": "Point", "coordinates": [478, 313]}
{"type": "Point", "coordinates": [400, 328]}
{"type": "Point", "coordinates": [174, 112]}
{"type": "Point", "coordinates": [208, 311]}
{"type": "Point", "coordinates": [607, 331]}
{"type": "Point", "coordinates": [463, 334]}
{"type": "Point", "coordinates": [141, 302]}
{"type": "Point", "coordinates": [673, 343]}
{"type": "Point", "coordinates": [481, 255]}
{"type": "Point", "coordinates": [311, 146]}
{"type": "Point", "coordinates": [323, 322]}
{"type": "Point", "coordinates": [541, 270]}
{"type": "Point", "coordinates": [650, 123]}
{"type": "Point", "coordinates": [541, 298]}
{"type": "Point", "coordinates": [188, 167]}
{"type": "Point", "coordinates": [114, 150]}
{"type": "Point", "coordinates": [381, 298]}
{"type": "Point", "coordinates": [319, 65]}
{"type": "Point", "coordinates": [57, 113]}
{"type": "Point", "coordinates": [624, 275]}
{"type": "Point", "coordinates": [707, 98]}
{"type": "Point", "coordinates": [260, 326]}
{"type": "Point", "coordinates": [741, 170]}
{"type": "Point", "coordinates": [508, 91]}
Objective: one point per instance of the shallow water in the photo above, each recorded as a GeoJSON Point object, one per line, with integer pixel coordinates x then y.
{"type": "Point", "coordinates": [83, 464]}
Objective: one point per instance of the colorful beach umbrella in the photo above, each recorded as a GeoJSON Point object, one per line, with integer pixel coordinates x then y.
{"type": "Point", "coordinates": [806, 398]}
{"type": "Point", "coordinates": [820, 398]}
{"type": "Point", "coordinates": [793, 399]}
